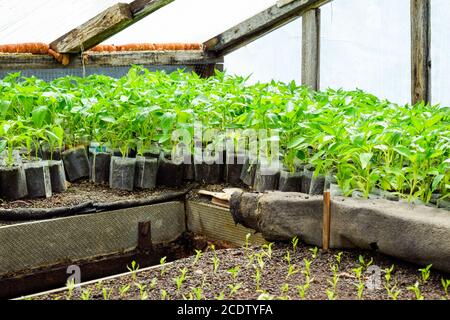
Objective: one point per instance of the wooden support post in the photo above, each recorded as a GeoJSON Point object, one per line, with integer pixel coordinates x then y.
{"type": "Point", "coordinates": [326, 220]}
{"type": "Point", "coordinates": [145, 236]}
{"type": "Point", "coordinates": [311, 49]}
{"type": "Point", "coordinates": [420, 51]}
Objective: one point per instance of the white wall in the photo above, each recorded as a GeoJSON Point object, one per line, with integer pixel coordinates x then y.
{"type": "Point", "coordinates": [363, 45]}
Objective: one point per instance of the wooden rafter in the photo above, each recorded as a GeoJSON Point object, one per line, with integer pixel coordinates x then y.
{"type": "Point", "coordinates": [262, 23]}
{"type": "Point", "coordinates": [181, 58]}
{"type": "Point", "coordinates": [105, 25]}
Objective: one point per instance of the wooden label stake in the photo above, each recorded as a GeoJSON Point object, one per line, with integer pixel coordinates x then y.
{"type": "Point", "coordinates": [145, 236]}
{"type": "Point", "coordinates": [326, 220]}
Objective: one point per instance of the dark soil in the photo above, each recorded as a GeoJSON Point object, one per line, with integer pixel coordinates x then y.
{"type": "Point", "coordinates": [160, 282]}
{"type": "Point", "coordinates": [80, 192]}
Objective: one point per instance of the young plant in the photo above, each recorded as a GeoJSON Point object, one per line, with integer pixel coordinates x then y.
{"type": "Point", "coordinates": [162, 262]}
{"type": "Point", "coordinates": [86, 294]}
{"type": "Point", "coordinates": [234, 288]}
{"type": "Point", "coordinates": [294, 243]}
{"type": "Point", "coordinates": [425, 273]}
{"type": "Point", "coordinates": [416, 290]}
{"type": "Point", "coordinates": [445, 285]}
{"type": "Point", "coordinates": [268, 249]}
{"type": "Point", "coordinates": [284, 292]}
{"type": "Point", "coordinates": [234, 271]}
{"type": "Point", "coordinates": [314, 252]}
{"type": "Point", "coordinates": [360, 285]}
{"type": "Point", "coordinates": [143, 295]}
{"type": "Point", "coordinates": [106, 293]}
{"type": "Point", "coordinates": [70, 284]}
{"type": "Point", "coordinates": [134, 268]}
{"type": "Point", "coordinates": [198, 256]}
{"type": "Point", "coordinates": [123, 290]}
{"type": "Point", "coordinates": [181, 278]}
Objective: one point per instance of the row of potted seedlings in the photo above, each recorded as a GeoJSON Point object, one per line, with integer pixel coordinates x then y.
{"type": "Point", "coordinates": [42, 176]}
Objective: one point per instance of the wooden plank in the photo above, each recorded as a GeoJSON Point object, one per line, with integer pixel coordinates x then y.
{"type": "Point", "coordinates": [115, 59]}
{"type": "Point", "coordinates": [106, 24]}
{"type": "Point", "coordinates": [311, 49]}
{"type": "Point", "coordinates": [259, 25]}
{"type": "Point", "coordinates": [326, 220]}
{"type": "Point", "coordinates": [95, 30]}
{"type": "Point", "coordinates": [142, 8]}
{"type": "Point", "coordinates": [420, 51]}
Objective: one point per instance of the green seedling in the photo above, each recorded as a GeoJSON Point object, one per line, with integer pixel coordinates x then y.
{"type": "Point", "coordinates": [314, 252]}
{"type": "Point", "coordinates": [221, 296]}
{"type": "Point", "coordinates": [294, 243]}
{"type": "Point", "coordinates": [162, 262]}
{"type": "Point", "coordinates": [234, 271]}
{"type": "Point", "coordinates": [181, 278]}
{"type": "Point", "coordinates": [143, 295]}
{"type": "Point", "coordinates": [445, 284]}
{"type": "Point", "coordinates": [70, 284]}
{"type": "Point", "coordinates": [123, 290]}
{"type": "Point", "coordinates": [393, 292]}
{"type": "Point", "coordinates": [106, 293]}
{"type": "Point", "coordinates": [153, 283]}
{"type": "Point", "coordinates": [86, 294]}
{"type": "Point", "coordinates": [360, 285]}
{"type": "Point", "coordinates": [268, 249]}
{"type": "Point", "coordinates": [198, 256]}
{"type": "Point", "coordinates": [234, 288]}
{"type": "Point", "coordinates": [416, 290]}
{"type": "Point", "coordinates": [425, 273]}
{"type": "Point", "coordinates": [134, 268]}
{"type": "Point", "coordinates": [198, 293]}
{"type": "Point", "coordinates": [291, 271]}
{"type": "Point", "coordinates": [164, 295]}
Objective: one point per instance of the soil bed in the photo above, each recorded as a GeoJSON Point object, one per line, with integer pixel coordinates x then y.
{"type": "Point", "coordinates": [160, 282]}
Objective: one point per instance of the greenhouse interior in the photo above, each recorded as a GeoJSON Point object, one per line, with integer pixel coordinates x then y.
{"type": "Point", "coordinates": [224, 150]}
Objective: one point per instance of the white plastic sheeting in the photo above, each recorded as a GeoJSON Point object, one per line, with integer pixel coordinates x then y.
{"type": "Point", "coordinates": [365, 43]}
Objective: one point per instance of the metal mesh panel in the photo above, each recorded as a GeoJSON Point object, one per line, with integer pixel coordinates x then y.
{"type": "Point", "coordinates": [50, 242]}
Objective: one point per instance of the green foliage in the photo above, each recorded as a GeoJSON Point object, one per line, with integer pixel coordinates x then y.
{"type": "Point", "coordinates": [365, 142]}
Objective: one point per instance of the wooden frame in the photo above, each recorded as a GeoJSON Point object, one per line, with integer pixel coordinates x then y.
{"type": "Point", "coordinates": [420, 51]}
{"type": "Point", "coordinates": [29, 61]}
{"type": "Point", "coordinates": [259, 25]}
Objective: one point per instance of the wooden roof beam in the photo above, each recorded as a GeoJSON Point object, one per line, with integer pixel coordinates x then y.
{"type": "Point", "coordinates": [105, 25]}
{"type": "Point", "coordinates": [261, 24]}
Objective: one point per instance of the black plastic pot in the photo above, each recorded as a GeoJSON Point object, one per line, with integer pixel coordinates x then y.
{"type": "Point", "coordinates": [170, 174]}
{"type": "Point", "coordinates": [248, 171]}
{"type": "Point", "coordinates": [189, 170]}
{"type": "Point", "coordinates": [266, 179]}
{"type": "Point", "coordinates": [100, 164]}
{"type": "Point", "coordinates": [47, 155]}
{"type": "Point", "coordinates": [13, 182]}
{"type": "Point", "coordinates": [38, 179]}
{"type": "Point", "coordinates": [290, 181]}
{"type": "Point", "coordinates": [121, 176]}
{"type": "Point", "coordinates": [57, 176]}
{"type": "Point", "coordinates": [208, 173]}
{"type": "Point", "coordinates": [306, 180]}
{"type": "Point", "coordinates": [233, 169]}
{"type": "Point", "coordinates": [145, 173]}
{"type": "Point", "coordinates": [76, 163]}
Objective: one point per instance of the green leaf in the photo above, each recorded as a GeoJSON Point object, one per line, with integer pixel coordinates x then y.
{"type": "Point", "coordinates": [437, 180]}
{"type": "Point", "coordinates": [41, 116]}
{"type": "Point", "coordinates": [365, 159]}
